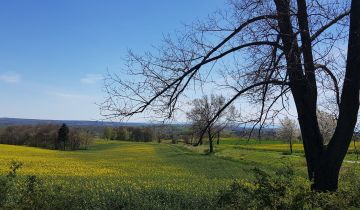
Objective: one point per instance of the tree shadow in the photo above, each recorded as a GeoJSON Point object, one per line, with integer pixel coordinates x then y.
{"type": "Point", "coordinates": [206, 165]}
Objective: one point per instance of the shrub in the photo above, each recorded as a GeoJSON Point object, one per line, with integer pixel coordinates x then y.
{"type": "Point", "coordinates": [7, 182]}
{"type": "Point", "coordinates": [266, 191]}
{"type": "Point", "coordinates": [284, 190]}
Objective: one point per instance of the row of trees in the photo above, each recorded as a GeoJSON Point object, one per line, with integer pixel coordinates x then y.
{"type": "Point", "coordinates": [157, 133]}
{"type": "Point", "coordinates": [140, 134]}
{"type": "Point", "coordinates": [46, 136]}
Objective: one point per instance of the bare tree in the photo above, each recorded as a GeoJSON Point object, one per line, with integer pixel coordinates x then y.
{"type": "Point", "coordinates": [203, 111]}
{"type": "Point", "coordinates": [264, 53]}
{"type": "Point", "coordinates": [288, 131]}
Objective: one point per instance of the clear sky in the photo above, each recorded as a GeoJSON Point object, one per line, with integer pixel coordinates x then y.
{"type": "Point", "coordinates": [53, 53]}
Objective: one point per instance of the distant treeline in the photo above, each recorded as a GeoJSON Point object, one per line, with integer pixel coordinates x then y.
{"type": "Point", "coordinates": [156, 133]}
{"type": "Point", "coordinates": [146, 133]}
{"type": "Point", "coordinates": [45, 136]}
{"type": "Point", "coordinates": [179, 133]}
{"type": "Point", "coordinates": [140, 134]}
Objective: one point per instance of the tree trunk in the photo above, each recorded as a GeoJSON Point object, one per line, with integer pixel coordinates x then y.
{"type": "Point", "coordinates": [218, 138]}
{"type": "Point", "coordinates": [323, 163]}
{"type": "Point", "coordinates": [211, 146]}
{"type": "Point", "coordinates": [326, 177]}
{"type": "Point", "coordinates": [291, 146]}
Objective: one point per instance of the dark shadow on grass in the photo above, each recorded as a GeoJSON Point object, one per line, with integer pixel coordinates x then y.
{"type": "Point", "coordinates": [103, 146]}
{"type": "Point", "coordinates": [208, 165]}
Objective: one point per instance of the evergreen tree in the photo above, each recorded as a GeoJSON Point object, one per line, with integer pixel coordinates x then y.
{"type": "Point", "coordinates": [63, 135]}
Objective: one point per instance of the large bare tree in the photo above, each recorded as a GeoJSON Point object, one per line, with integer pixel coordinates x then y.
{"type": "Point", "coordinates": [268, 54]}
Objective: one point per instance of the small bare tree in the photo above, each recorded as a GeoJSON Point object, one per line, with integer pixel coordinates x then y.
{"type": "Point", "coordinates": [203, 111]}
{"type": "Point", "coordinates": [327, 124]}
{"type": "Point", "coordinates": [288, 131]}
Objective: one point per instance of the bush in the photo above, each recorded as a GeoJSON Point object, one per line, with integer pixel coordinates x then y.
{"type": "Point", "coordinates": [284, 190]}
{"type": "Point", "coordinates": [7, 182]}
{"type": "Point", "coordinates": [266, 191]}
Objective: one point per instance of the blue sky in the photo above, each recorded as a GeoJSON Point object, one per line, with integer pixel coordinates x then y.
{"type": "Point", "coordinates": [54, 53]}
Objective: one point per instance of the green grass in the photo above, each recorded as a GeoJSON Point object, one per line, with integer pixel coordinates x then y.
{"type": "Point", "coordinates": [274, 145]}
{"type": "Point", "coordinates": [246, 141]}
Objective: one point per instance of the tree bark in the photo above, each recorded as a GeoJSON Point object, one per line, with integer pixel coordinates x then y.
{"type": "Point", "coordinates": [326, 175]}
{"type": "Point", "coordinates": [211, 146]}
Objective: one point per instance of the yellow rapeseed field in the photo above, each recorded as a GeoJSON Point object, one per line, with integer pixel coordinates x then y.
{"type": "Point", "coordinates": [110, 164]}
{"type": "Point", "coordinates": [166, 174]}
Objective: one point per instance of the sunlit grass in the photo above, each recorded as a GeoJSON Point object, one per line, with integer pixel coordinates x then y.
{"type": "Point", "coordinates": [274, 145]}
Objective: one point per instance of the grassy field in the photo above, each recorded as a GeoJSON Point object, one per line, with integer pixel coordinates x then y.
{"type": "Point", "coordinates": [154, 165]}
{"type": "Point", "coordinates": [178, 170]}
{"type": "Point", "coordinates": [146, 163]}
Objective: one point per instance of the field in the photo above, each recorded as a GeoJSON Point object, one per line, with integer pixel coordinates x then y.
{"type": "Point", "coordinates": [147, 164]}
{"type": "Point", "coordinates": [177, 174]}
